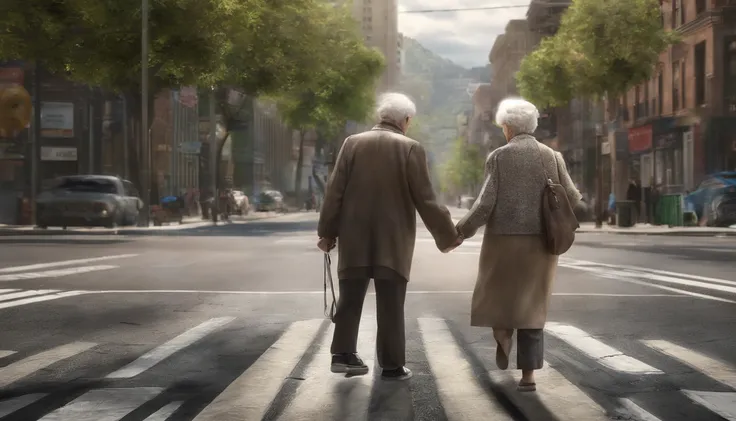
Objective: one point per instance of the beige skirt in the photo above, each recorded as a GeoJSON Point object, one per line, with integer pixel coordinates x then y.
{"type": "Point", "coordinates": [514, 284]}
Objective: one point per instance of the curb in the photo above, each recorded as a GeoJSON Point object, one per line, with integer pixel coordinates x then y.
{"type": "Point", "coordinates": [662, 233]}
{"type": "Point", "coordinates": [11, 232]}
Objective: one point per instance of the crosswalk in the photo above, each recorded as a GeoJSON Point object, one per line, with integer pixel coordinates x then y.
{"type": "Point", "coordinates": [288, 379]}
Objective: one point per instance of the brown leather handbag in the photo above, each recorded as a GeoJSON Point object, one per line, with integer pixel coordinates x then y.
{"type": "Point", "coordinates": [558, 218]}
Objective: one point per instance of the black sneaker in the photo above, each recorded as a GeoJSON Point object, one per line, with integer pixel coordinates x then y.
{"type": "Point", "coordinates": [401, 373]}
{"type": "Point", "coordinates": [349, 364]}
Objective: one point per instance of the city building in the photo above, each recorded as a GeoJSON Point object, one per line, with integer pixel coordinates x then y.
{"type": "Point", "coordinates": [680, 126]}
{"type": "Point", "coordinates": [71, 138]}
{"type": "Point", "coordinates": [379, 21]}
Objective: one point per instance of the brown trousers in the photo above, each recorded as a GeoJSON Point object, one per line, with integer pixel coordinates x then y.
{"type": "Point", "coordinates": [390, 339]}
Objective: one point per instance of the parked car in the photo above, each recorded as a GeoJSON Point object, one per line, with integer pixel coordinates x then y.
{"type": "Point", "coordinates": [88, 200]}
{"type": "Point", "coordinates": [270, 201]}
{"type": "Point", "coordinates": [715, 199]}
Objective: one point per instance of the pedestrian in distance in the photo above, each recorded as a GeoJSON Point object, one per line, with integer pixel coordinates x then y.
{"type": "Point", "coordinates": [516, 268]}
{"type": "Point", "coordinates": [379, 183]}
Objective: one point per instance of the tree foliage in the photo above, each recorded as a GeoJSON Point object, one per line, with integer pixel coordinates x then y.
{"type": "Point", "coordinates": [465, 169]}
{"type": "Point", "coordinates": [343, 80]}
{"type": "Point", "coordinates": [602, 47]}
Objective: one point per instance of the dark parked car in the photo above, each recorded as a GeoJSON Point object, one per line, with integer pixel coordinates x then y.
{"type": "Point", "coordinates": [88, 200]}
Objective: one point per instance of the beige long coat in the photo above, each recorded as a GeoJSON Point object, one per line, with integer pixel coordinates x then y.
{"type": "Point", "coordinates": [515, 271]}
{"type": "Point", "coordinates": [380, 182]}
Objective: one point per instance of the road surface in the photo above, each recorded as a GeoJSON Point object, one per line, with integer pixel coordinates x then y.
{"type": "Point", "coordinates": [226, 323]}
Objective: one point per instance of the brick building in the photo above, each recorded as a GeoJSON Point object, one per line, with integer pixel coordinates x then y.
{"type": "Point", "coordinates": [679, 126]}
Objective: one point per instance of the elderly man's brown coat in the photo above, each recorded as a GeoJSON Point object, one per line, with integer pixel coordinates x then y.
{"type": "Point", "coordinates": [379, 183]}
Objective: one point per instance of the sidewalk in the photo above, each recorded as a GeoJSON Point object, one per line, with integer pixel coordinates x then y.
{"type": "Point", "coordinates": [646, 229]}
{"type": "Point", "coordinates": [188, 223]}
{"type": "Point", "coordinates": [640, 229]}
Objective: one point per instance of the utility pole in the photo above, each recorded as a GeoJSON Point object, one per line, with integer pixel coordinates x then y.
{"type": "Point", "coordinates": [126, 139]}
{"type": "Point", "coordinates": [599, 201]}
{"type": "Point", "coordinates": [36, 139]}
{"type": "Point", "coordinates": [213, 157]}
{"type": "Point", "coordinates": [145, 139]}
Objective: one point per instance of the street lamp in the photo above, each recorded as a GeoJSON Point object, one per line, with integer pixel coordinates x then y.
{"type": "Point", "coordinates": [146, 147]}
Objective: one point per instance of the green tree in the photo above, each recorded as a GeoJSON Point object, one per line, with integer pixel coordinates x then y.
{"type": "Point", "coordinates": [342, 89]}
{"type": "Point", "coordinates": [602, 47]}
{"type": "Point", "coordinates": [464, 171]}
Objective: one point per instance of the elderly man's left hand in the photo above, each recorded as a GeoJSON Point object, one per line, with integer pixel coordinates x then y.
{"type": "Point", "coordinates": [326, 244]}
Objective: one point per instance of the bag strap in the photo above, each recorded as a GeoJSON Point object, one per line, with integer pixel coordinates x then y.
{"type": "Point", "coordinates": [329, 311]}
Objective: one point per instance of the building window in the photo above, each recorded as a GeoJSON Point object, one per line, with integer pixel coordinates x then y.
{"type": "Point", "coordinates": [700, 6]}
{"type": "Point", "coordinates": [660, 93]}
{"type": "Point", "coordinates": [730, 64]}
{"type": "Point", "coordinates": [637, 105]}
{"type": "Point", "coordinates": [700, 74]}
{"type": "Point", "coordinates": [676, 83]}
{"type": "Point", "coordinates": [678, 15]}
{"type": "Point", "coordinates": [645, 103]}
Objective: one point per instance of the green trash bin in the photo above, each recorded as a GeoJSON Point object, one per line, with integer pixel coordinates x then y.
{"type": "Point", "coordinates": [669, 211]}
{"type": "Point", "coordinates": [625, 213]}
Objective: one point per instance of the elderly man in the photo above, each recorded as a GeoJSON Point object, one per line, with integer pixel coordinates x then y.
{"type": "Point", "coordinates": [379, 183]}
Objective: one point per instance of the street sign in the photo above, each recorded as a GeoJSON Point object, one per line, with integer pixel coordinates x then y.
{"type": "Point", "coordinates": [190, 147]}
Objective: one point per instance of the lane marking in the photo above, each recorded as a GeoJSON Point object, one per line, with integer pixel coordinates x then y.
{"type": "Point", "coordinates": [639, 413]}
{"type": "Point", "coordinates": [439, 292]}
{"type": "Point", "coordinates": [716, 370]}
{"type": "Point", "coordinates": [160, 353]}
{"type": "Point", "coordinates": [599, 351]}
{"type": "Point", "coordinates": [250, 395]}
{"type": "Point", "coordinates": [29, 293]}
{"type": "Point", "coordinates": [559, 399]}
{"type": "Point", "coordinates": [722, 403]}
{"type": "Point", "coordinates": [460, 394]}
{"type": "Point", "coordinates": [164, 413]}
{"type": "Point", "coordinates": [328, 396]}
{"type": "Point", "coordinates": [622, 278]}
{"type": "Point", "coordinates": [8, 406]}
{"type": "Point", "coordinates": [104, 404]}
{"type": "Point", "coordinates": [7, 291]}
{"type": "Point", "coordinates": [55, 273]}
{"type": "Point", "coordinates": [4, 354]}
{"type": "Point", "coordinates": [16, 303]}
{"type": "Point", "coordinates": [27, 366]}
{"type": "Point", "coordinates": [37, 266]}
{"type": "Point", "coordinates": [647, 270]}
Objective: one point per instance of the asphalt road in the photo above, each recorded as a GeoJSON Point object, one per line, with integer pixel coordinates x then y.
{"type": "Point", "coordinates": [227, 323]}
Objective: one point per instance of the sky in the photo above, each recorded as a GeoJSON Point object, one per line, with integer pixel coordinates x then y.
{"type": "Point", "coordinates": [463, 37]}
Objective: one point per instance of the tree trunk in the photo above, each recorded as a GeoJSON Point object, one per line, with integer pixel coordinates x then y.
{"type": "Point", "coordinates": [298, 172]}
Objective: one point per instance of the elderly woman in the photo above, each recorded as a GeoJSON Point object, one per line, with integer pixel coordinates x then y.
{"type": "Point", "coordinates": [515, 271]}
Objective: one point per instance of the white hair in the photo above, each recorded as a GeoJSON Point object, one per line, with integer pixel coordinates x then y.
{"type": "Point", "coordinates": [395, 108]}
{"type": "Point", "coordinates": [519, 115]}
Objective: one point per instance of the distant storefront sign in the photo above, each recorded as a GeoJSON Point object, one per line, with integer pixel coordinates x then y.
{"type": "Point", "coordinates": [190, 147]}
{"type": "Point", "coordinates": [58, 154]}
{"type": "Point", "coordinates": [57, 119]}
{"type": "Point", "coordinates": [640, 139]}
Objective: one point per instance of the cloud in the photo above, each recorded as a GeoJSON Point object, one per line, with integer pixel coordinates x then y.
{"type": "Point", "coordinates": [465, 37]}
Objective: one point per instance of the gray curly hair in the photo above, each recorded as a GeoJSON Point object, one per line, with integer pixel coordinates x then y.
{"type": "Point", "coordinates": [519, 115]}
{"type": "Point", "coordinates": [395, 108]}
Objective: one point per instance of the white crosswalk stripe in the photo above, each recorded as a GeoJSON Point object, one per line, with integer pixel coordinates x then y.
{"type": "Point", "coordinates": [291, 380]}
{"type": "Point", "coordinates": [14, 297]}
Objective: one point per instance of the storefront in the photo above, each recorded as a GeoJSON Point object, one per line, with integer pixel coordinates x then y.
{"type": "Point", "coordinates": [12, 155]}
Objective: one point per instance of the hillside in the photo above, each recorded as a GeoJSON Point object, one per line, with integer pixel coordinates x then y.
{"type": "Point", "coordinates": [439, 87]}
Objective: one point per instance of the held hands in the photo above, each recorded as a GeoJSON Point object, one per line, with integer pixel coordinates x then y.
{"type": "Point", "coordinates": [326, 244]}
{"type": "Point", "coordinates": [456, 244]}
